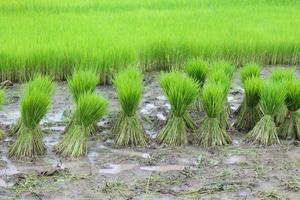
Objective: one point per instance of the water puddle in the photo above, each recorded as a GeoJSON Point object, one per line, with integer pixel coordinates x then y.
{"type": "Point", "coordinates": [92, 156]}
{"type": "Point", "coordinates": [2, 183]}
{"type": "Point", "coordinates": [115, 169]}
{"type": "Point", "coordinates": [51, 140]}
{"type": "Point", "coordinates": [161, 116]}
{"type": "Point", "coordinates": [162, 98]}
{"type": "Point", "coordinates": [235, 160]}
{"type": "Point", "coordinates": [58, 129]}
{"type": "Point", "coordinates": [164, 168]}
{"type": "Point", "coordinates": [131, 153]}
{"type": "Point", "coordinates": [10, 169]}
{"type": "Point", "coordinates": [148, 109]}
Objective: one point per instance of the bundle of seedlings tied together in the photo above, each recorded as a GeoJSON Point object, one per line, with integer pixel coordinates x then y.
{"type": "Point", "coordinates": [290, 127]}
{"type": "Point", "coordinates": [2, 99]}
{"type": "Point", "coordinates": [281, 75]}
{"type": "Point", "coordinates": [220, 77]}
{"type": "Point", "coordinates": [272, 96]}
{"type": "Point", "coordinates": [41, 83]}
{"type": "Point", "coordinates": [35, 103]}
{"type": "Point", "coordinates": [247, 72]}
{"type": "Point", "coordinates": [181, 92]}
{"type": "Point", "coordinates": [89, 108]}
{"type": "Point", "coordinates": [222, 72]}
{"type": "Point", "coordinates": [128, 129]}
{"type": "Point", "coordinates": [198, 70]}
{"type": "Point", "coordinates": [249, 113]}
{"type": "Point", "coordinates": [82, 82]}
{"type": "Point", "coordinates": [211, 132]}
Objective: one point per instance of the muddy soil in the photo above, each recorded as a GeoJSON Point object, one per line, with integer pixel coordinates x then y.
{"type": "Point", "coordinates": [237, 171]}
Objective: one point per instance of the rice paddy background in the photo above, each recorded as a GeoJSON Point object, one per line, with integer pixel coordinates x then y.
{"type": "Point", "coordinates": [54, 37]}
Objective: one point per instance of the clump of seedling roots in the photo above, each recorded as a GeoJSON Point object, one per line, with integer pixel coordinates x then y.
{"type": "Point", "coordinates": [181, 92]}
{"type": "Point", "coordinates": [247, 72]}
{"type": "Point", "coordinates": [272, 97]}
{"type": "Point", "coordinates": [281, 75]}
{"type": "Point", "coordinates": [34, 105]}
{"type": "Point", "coordinates": [250, 113]}
{"type": "Point", "coordinates": [290, 127]}
{"type": "Point", "coordinates": [82, 82]}
{"type": "Point", "coordinates": [210, 132]}
{"type": "Point", "coordinates": [2, 99]}
{"type": "Point", "coordinates": [128, 129]}
{"type": "Point", "coordinates": [89, 108]}
{"type": "Point", "coordinates": [38, 82]}
{"type": "Point", "coordinates": [198, 70]}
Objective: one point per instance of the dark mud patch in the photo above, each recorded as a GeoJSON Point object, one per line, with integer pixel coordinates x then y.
{"type": "Point", "coordinates": [238, 171]}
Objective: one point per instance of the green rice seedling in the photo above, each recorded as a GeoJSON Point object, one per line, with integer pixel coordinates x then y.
{"type": "Point", "coordinates": [290, 128]}
{"type": "Point", "coordinates": [128, 129]}
{"type": "Point", "coordinates": [210, 132]}
{"type": "Point", "coordinates": [198, 70]}
{"type": "Point", "coordinates": [89, 108]}
{"type": "Point", "coordinates": [248, 71]}
{"type": "Point", "coordinates": [181, 91]}
{"type": "Point", "coordinates": [81, 82]}
{"type": "Point", "coordinates": [224, 66]}
{"type": "Point", "coordinates": [29, 142]}
{"type": "Point", "coordinates": [2, 99]}
{"type": "Point", "coordinates": [282, 75]}
{"type": "Point", "coordinates": [219, 77]}
{"type": "Point", "coordinates": [44, 84]}
{"type": "Point", "coordinates": [272, 96]}
{"type": "Point", "coordinates": [250, 114]}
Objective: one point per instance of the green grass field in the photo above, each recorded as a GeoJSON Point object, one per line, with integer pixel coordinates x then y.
{"type": "Point", "coordinates": [54, 36]}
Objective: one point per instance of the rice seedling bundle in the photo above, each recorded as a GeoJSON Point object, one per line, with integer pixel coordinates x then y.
{"type": "Point", "coordinates": [290, 128]}
{"type": "Point", "coordinates": [228, 69]}
{"type": "Point", "coordinates": [210, 132]}
{"type": "Point", "coordinates": [223, 66]}
{"type": "Point", "coordinates": [82, 82]}
{"type": "Point", "coordinates": [41, 83]}
{"type": "Point", "coordinates": [219, 77]}
{"type": "Point", "coordinates": [89, 108]}
{"type": "Point", "coordinates": [272, 97]}
{"type": "Point", "coordinates": [281, 75]}
{"type": "Point", "coordinates": [250, 113]}
{"type": "Point", "coordinates": [248, 71]}
{"type": "Point", "coordinates": [128, 129]}
{"type": "Point", "coordinates": [198, 70]}
{"type": "Point", "coordinates": [29, 143]}
{"type": "Point", "coordinates": [181, 91]}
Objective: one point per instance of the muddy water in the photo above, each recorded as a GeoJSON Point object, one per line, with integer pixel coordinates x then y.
{"type": "Point", "coordinates": [110, 172]}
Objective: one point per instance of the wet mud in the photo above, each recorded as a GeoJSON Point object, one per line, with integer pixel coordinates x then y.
{"type": "Point", "coordinates": [237, 171]}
